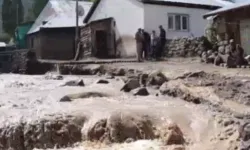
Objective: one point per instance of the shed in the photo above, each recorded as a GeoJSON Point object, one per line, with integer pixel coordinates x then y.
{"type": "Point", "coordinates": [235, 22]}
{"type": "Point", "coordinates": [52, 36]}
{"type": "Point", "coordinates": [180, 18]}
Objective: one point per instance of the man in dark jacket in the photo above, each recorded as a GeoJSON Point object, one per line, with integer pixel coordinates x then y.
{"type": "Point", "coordinates": [146, 44]}
{"type": "Point", "coordinates": [162, 41]}
{"type": "Point", "coordinates": [139, 44]}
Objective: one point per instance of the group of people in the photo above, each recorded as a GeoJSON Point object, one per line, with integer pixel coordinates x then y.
{"type": "Point", "coordinates": [150, 46]}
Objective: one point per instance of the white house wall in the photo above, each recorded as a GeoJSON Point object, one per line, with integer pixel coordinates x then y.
{"type": "Point", "coordinates": [156, 15]}
{"type": "Point", "coordinates": [129, 16]}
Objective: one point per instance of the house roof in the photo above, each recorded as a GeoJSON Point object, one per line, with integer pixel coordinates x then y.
{"type": "Point", "coordinates": [60, 14]}
{"type": "Point", "coordinates": [228, 8]}
{"type": "Point", "coordinates": [204, 4]}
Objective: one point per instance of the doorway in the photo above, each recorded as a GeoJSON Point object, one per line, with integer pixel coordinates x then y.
{"type": "Point", "coordinates": [101, 44]}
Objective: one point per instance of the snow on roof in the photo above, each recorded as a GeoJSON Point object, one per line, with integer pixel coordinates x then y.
{"type": "Point", "coordinates": [2, 44]}
{"type": "Point", "coordinates": [60, 14]}
{"type": "Point", "coordinates": [220, 3]}
{"type": "Point", "coordinates": [228, 8]}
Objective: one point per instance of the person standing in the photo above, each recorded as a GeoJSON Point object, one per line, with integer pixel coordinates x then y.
{"type": "Point", "coordinates": [153, 43]}
{"type": "Point", "coordinates": [146, 44]}
{"type": "Point", "coordinates": [139, 44]}
{"type": "Point", "coordinates": [162, 41]}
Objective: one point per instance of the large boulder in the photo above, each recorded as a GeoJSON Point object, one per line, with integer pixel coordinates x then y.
{"type": "Point", "coordinates": [98, 131]}
{"type": "Point", "coordinates": [172, 135]}
{"type": "Point", "coordinates": [156, 78]}
{"type": "Point", "coordinates": [130, 85]}
{"type": "Point", "coordinates": [123, 126]}
{"type": "Point", "coordinates": [74, 83]}
{"type": "Point", "coordinates": [244, 134]}
{"type": "Point", "coordinates": [141, 92]}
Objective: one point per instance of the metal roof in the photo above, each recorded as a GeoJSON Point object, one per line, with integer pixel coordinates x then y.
{"type": "Point", "coordinates": [2, 44]}
{"type": "Point", "coordinates": [219, 3]}
{"type": "Point", "coordinates": [202, 4]}
{"type": "Point", "coordinates": [60, 14]}
{"type": "Point", "coordinates": [228, 8]}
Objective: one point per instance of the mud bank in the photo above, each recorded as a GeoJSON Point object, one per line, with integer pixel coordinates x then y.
{"type": "Point", "coordinates": [184, 112]}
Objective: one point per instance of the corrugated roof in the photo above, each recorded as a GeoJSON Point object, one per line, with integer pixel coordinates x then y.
{"type": "Point", "coordinates": [228, 8]}
{"type": "Point", "coordinates": [59, 14]}
{"type": "Point", "coordinates": [220, 3]}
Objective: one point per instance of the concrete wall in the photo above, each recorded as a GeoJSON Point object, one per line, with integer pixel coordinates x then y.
{"type": "Point", "coordinates": [156, 15]}
{"type": "Point", "coordinates": [128, 15]}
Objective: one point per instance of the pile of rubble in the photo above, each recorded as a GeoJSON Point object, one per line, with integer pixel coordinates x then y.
{"type": "Point", "coordinates": [225, 53]}
{"type": "Point", "coordinates": [186, 47]}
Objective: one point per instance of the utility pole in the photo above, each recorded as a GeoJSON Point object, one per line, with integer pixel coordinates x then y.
{"type": "Point", "coordinates": [77, 27]}
{"type": "Point", "coordinates": [17, 14]}
{"type": "Point", "coordinates": [17, 23]}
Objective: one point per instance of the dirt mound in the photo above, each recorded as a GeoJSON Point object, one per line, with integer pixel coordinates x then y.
{"type": "Point", "coordinates": [120, 127]}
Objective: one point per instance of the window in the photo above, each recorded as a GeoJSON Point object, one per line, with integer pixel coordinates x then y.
{"type": "Point", "coordinates": [178, 22]}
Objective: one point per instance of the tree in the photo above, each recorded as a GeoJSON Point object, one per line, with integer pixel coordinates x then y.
{"type": "Point", "coordinates": [38, 6]}
{"type": "Point", "coordinates": [12, 14]}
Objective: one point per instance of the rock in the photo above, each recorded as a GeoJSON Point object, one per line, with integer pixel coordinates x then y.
{"type": "Point", "coordinates": [109, 76]}
{"type": "Point", "coordinates": [80, 69]}
{"type": "Point", "coordinates": [143, 79]}
{"type": "Point", "coordinates": [180, 147]}
{"type": "Point", "coordinates": [101, 81]}
{"type": "Point", "coordinates": [94, 69]}
{"type": "Point", "coordinates": [65, 99]}
{"type": "Point", "coordinates": [74, 83]}
{"type": "Point", "coordinates": [119, 72]}
{"type": "Point", "coordinates": [172, 135]}
{"type": "Point", "coordinates": [228, 122]}
{"type": "Point", "coordinates": [156, 78]}
{"type": "Point", "coordinates": [97, 132]}
{"type": "Point", "coordinates": [82, 95]}
{"type": "Point", "coordinates": [141, 92]}
{"type": "Point", "coordinates": [218, 60]}
{"type": "Point", "coordinates": [130, 85]}
{"type": "Point", "coordinates": [123, 126]}
{"type": "Point", "coordinates": [221, 49]}
{"type": "Point", "coordinates": [53, 77]}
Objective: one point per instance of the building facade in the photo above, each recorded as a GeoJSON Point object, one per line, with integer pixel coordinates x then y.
{"type": "Point", "coordinates": [233, 22]}
{"type": "Point", "coordinates": [179, 18]}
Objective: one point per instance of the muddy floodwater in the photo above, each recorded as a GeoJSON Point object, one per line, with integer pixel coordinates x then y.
{"type": "Point", "coordinates": [29, 102]}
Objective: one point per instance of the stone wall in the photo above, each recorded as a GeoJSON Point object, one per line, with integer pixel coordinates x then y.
{"type": "Point", "coordinates": [22, 61]}
{"type": "Point", "coordinates": [186, 47]}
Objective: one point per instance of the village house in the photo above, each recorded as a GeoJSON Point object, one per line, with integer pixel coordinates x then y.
{"type": "Point", "coordinates": [112, 24]}
{"type": "Point", "coordinates": [52, 36]}
{"type": "Point", "coordinates": [233, 22]}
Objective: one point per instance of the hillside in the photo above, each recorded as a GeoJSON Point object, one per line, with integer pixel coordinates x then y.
{"type": "Point", "coordinates": [27, 5]}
